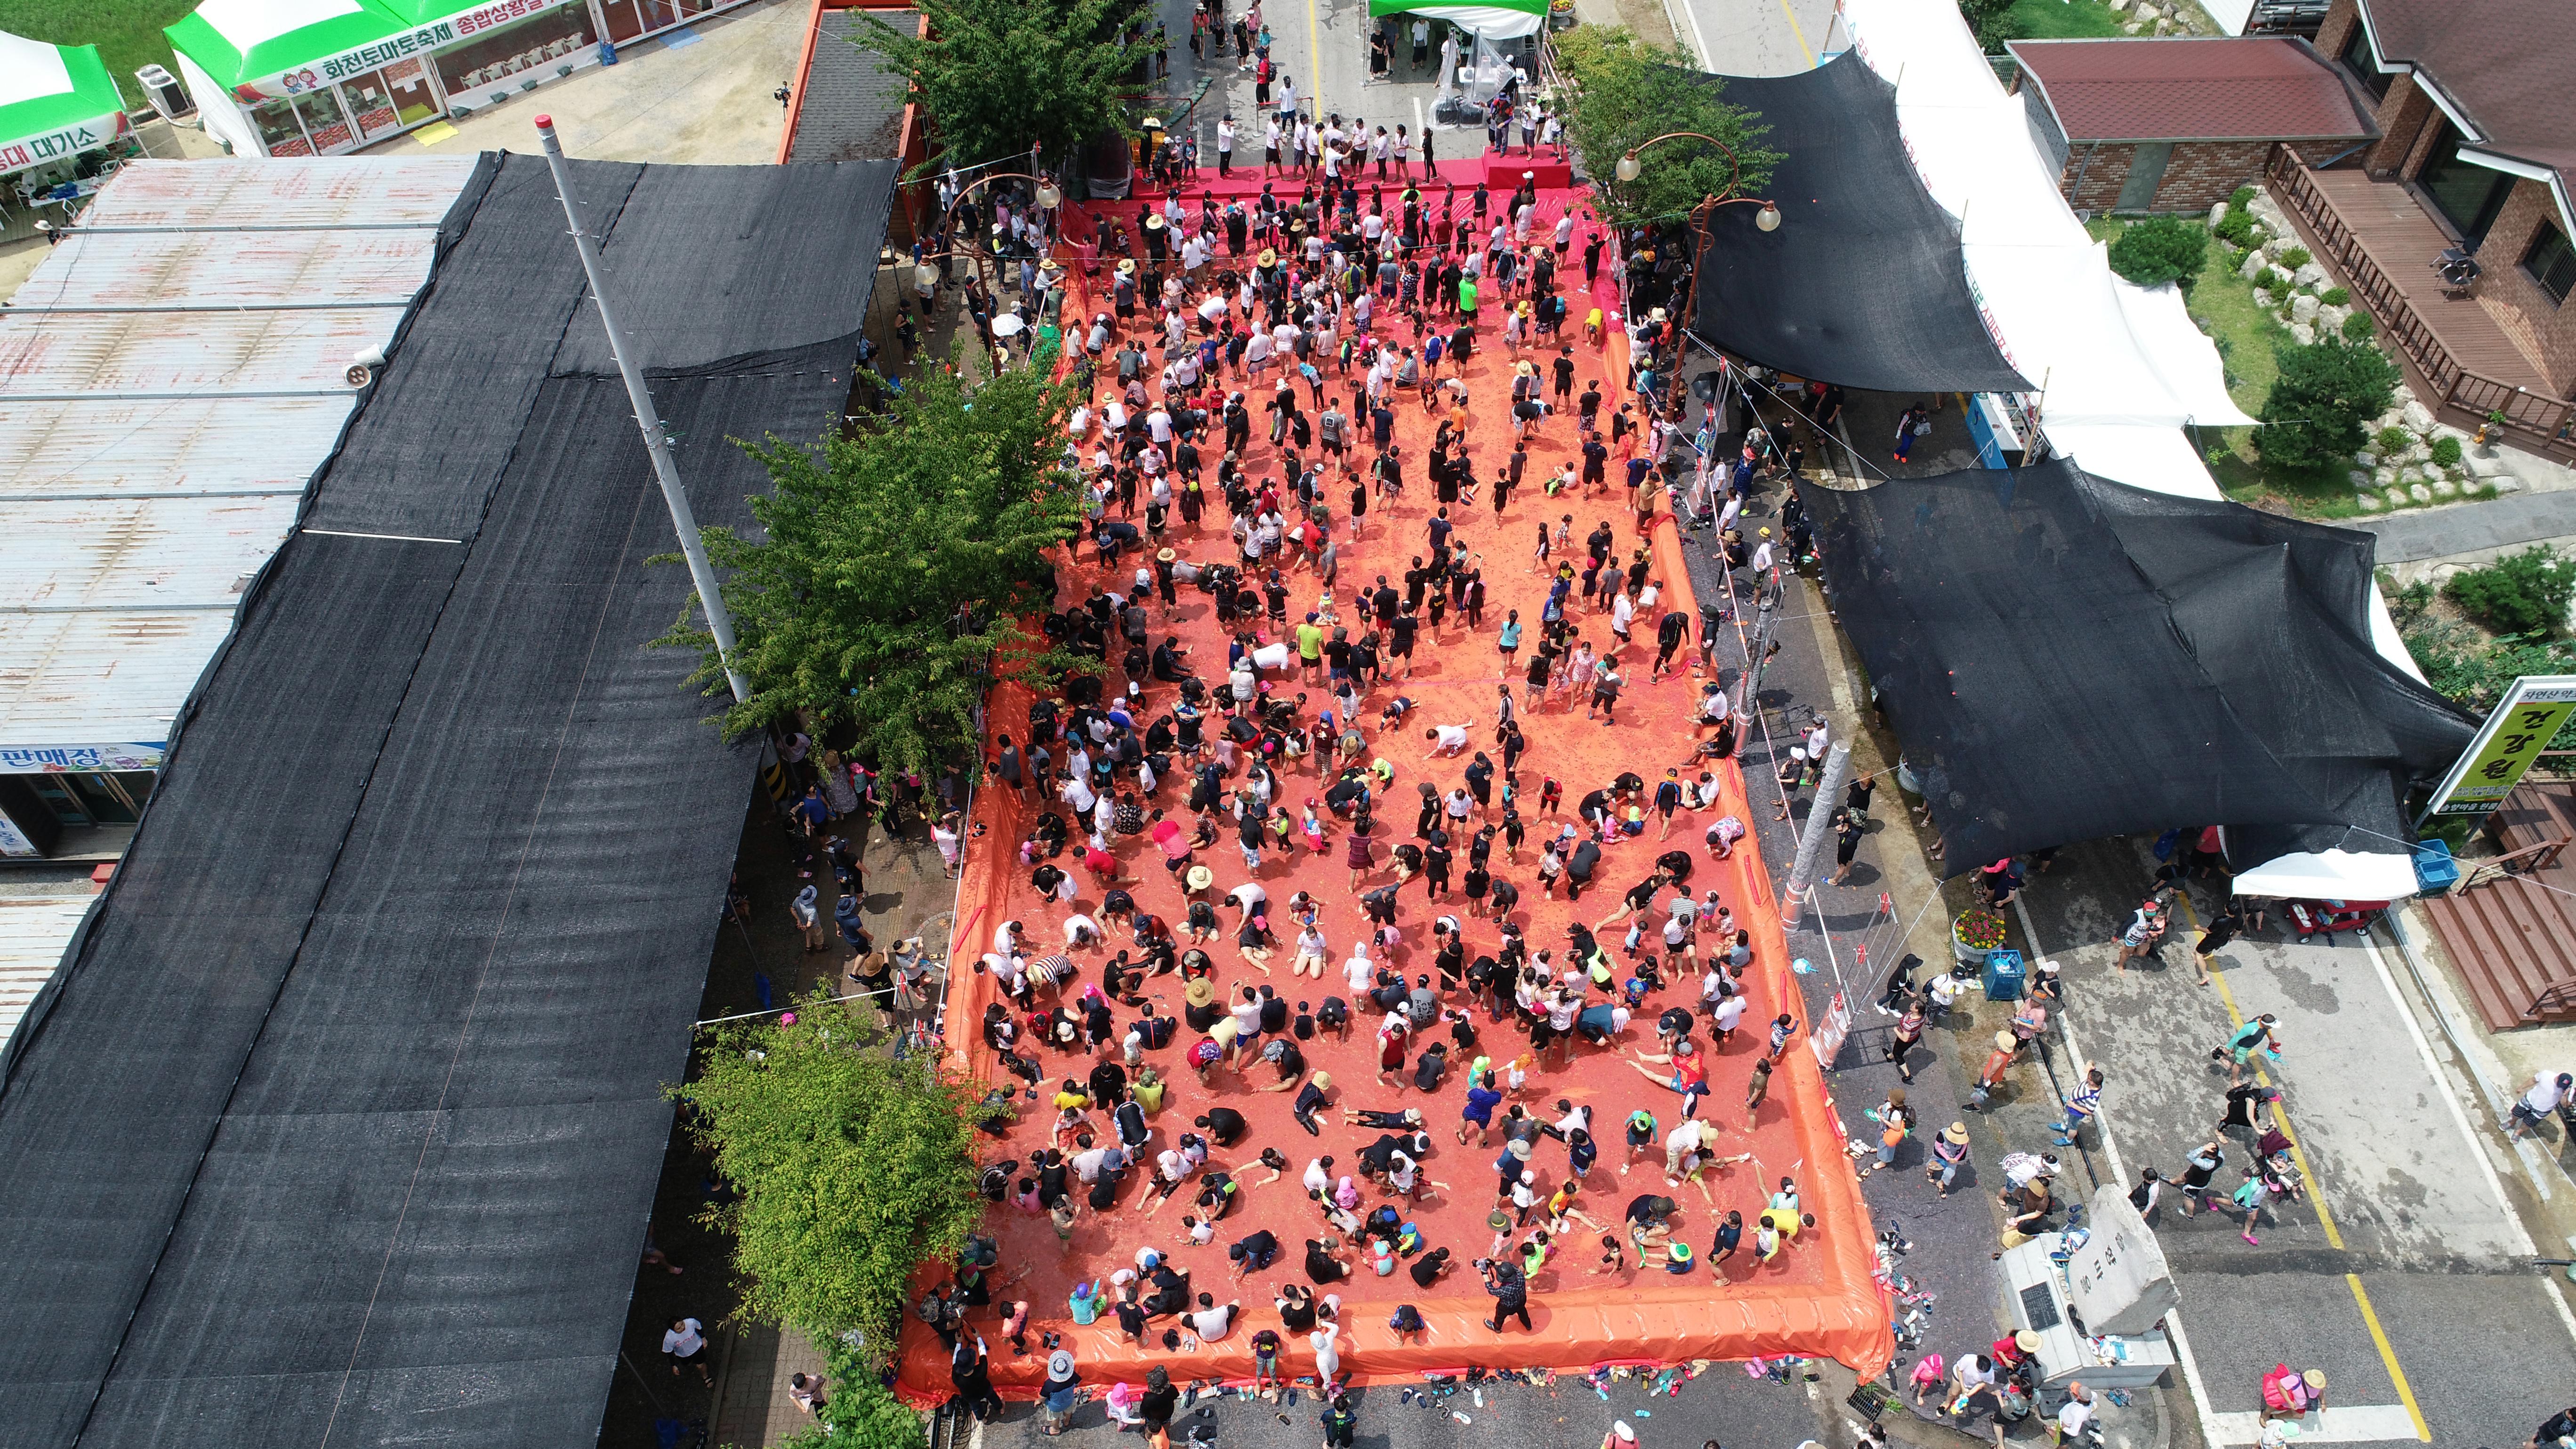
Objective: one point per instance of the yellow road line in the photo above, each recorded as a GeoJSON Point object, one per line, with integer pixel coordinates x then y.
{"type": "Point", "coordinates": [2388, 1356]}
{"type": "Point", "coordinates": [1315, 53]}
{"type": "Point", "coordinates": [1801, 35]}
{"type": "Point", "coordinates": [2325, 1217]}
{"type": "Point", "coordinates": [2236, 1018]}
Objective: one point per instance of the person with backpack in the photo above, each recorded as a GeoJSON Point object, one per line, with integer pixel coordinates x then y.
{"type": "Point", "coordinates": [1341, 1423]}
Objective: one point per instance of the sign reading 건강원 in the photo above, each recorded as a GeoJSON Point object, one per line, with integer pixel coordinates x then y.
{"type": "Point", "coordinates": [2520, 728]}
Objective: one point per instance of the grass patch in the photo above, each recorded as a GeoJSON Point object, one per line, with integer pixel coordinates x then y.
{"type": "Point", "coordinates": [126, 32]}
{"type": "Point", "coordinates": [2223, 304]}
{"type": "Point", "coordinates": [2065, 19]}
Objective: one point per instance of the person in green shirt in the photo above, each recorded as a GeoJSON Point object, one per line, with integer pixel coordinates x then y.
{"type": "Point", "coordinates": [1467, 300]}
{"type": "Point", "coordinates": [1310, 645]}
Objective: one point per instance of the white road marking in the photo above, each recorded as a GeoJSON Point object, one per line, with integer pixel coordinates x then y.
{"type": "Point", "coordinates": [2335, 1424]}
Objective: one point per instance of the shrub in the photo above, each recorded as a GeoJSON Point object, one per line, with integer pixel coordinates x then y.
{"type": "Point", "coordinates": [858, 1411]}
{"type": "Point", "coordinates": [2446, 451]}
{"type": "Point", "coordinates": [2521, 593]}
{"type": "Point", "coordinates": [2321, 403]}
{"type": "Point", "coordinates": [2273, 280]}
{"type": "Point", "coordinates": [2295, 258]}
{"type": "Point", "coordinates": [2236, 228]}
{"type": "Point", "coordinates": [2335, 296]}
{"type": "Point", "coordinates": [2237, 201]}
{"type": "Point", "coordinates": [2161, 249]}
{"type": "Point", "coordinates": [2358, 327]}
{"type": "Point", "coordinates": [2392, 441]}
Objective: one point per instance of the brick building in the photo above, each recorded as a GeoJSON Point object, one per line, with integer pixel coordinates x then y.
{"type": "Point", "coordinates": [2475, 105]}
{"type": "Point", "coordinates": [2176, 124]}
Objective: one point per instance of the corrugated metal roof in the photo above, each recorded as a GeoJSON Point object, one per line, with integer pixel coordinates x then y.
{"type": "Point", "coordinates": [185, 352]}
{"type": "Point", "coordinates": [106, 676]}
{"type": "Point", "coordinates": [95, 448]}
{"type": "Point", "coordinates": [231, 269]}
{"type": "Point", "coordinates": [143, 479]}
{"type": "Point", "coordinates": [139, 553]}
{"type": "Point", "coordinates": [364, 191]}
{"type": "Point", "coordinates": [34, 933]}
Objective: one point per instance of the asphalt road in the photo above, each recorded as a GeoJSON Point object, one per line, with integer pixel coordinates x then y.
{"type": "Point", "coordinates": [2406, 1265]}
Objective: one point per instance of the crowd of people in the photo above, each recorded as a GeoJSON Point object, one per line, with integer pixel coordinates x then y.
{"type": "Point", "coordinates": [1357, 327]}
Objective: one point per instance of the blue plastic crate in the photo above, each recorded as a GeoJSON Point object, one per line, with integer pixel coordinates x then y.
{"type": "Point", "coordinates": [2435, 870]}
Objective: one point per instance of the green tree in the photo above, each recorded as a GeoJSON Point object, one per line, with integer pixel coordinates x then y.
{"type": "Point", "coordinates": [2521, 593]}
{"type": "Point", "coordinates": [894, 563]}
{"type": "Point", "coordinates": [2322, 401]}
{"type": "Point", "coordinates": [2161, 249]}
{"type": "Point", "coordinates": [1627, 92]}
{"type": "Point", "coordinates": [1000, 76]}
{"type": "Point", "coordinates": [857, 1412]}
{"type": "Point", "coordinates": [851, 1168]}
{"type": "Point", "coordinates": [1993, 21]}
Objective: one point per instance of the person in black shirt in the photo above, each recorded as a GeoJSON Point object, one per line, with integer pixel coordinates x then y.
{"type": "Point", "coordinates": [1223, 1124]}
{"type": "Point", "coordinates": [1051, 1178]}
{"type": "Point", "coordinates": [1430, 1267]}
{"type": "Point", "coordinates": [1155, 1408]}
{"type": "Point", "coordinates": [1579, 868]}
{"type": "Point", "coordinates": [1255, 1253]}
{"type": "Point", "coordinates": [1323, 1267]}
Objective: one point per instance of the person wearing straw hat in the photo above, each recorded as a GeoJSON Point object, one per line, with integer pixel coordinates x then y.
{"type": "Point", "coordinates": [1949, 1152]}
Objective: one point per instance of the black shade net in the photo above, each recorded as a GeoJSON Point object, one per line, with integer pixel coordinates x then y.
{"type": "Point", "coordinates": [1862, 283]}
{"type": "Point", "coordinates": [2065, 658]}
{"type": "Point", "coordinates": [345, 1121]}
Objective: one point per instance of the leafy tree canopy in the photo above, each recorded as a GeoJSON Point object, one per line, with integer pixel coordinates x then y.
{"type": "Point", "coordinates": [1627, 92]}
{"type": "Point", "coordinates": [1994, 23]}
{"type": "Point", "coordinates": [894, 563]}
{"type": "Point", "coordinates": [852, 1168]}
{"type": "Point", "coordinates": [2322, 401]}
{"type": "Point", "coordinates": [999, 76]}
{"type": "Point", "coordinates": [2161, 249]}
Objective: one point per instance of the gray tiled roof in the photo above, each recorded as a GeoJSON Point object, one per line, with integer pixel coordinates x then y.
{"type": "Point", "coordinates": [853, 110]}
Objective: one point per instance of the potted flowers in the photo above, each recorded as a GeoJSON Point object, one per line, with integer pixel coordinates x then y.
{"type": "Point", "coordinates": [1976, 934]}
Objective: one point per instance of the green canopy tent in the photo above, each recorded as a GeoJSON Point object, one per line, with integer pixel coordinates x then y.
{"type": "Point", "coordinates": [1492, 19]}
{"type": "Point", "coordinates": [308, 77]}
{"type": "Point", "coordinates": [56, 101]}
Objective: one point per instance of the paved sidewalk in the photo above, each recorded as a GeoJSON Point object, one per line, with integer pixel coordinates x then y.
{"type": "Point", "coordinates": [2469, 527]}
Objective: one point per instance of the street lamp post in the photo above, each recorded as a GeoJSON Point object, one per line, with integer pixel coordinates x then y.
{"type": "Point", "coordinates": [1048, 195]}
{"type": "Point", "coordinates": [1629, 169]}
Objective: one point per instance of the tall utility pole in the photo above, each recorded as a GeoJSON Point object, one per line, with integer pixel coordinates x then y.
{"type": "Point", "coordinates": [1811, 844]}
{"type": "Point", "coordinates": [1748, 685]}
{"type": "Point", "coordinates": [649, 421]}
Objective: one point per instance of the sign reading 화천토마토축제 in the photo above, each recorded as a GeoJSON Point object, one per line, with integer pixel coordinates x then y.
{"type": "Point", "coordinates": [2522, 725]}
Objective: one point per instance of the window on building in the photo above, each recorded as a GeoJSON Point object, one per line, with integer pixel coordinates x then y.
{"type": "Point", "coordinates": [2465, 193]}
{"type": "Point", "coordinates": [2358, 59]}
{"type": "Point", "coordinates": [2551, 262]}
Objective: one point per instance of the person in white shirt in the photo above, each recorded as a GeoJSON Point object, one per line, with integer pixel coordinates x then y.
{"type": "Point", "coordinates": [1080, 930]}
{"type": "Point", "coordinates": [1224, 145]}
{"type": "Point", "coordinates": [1359, 971]}
{"type": "Point", "coordinates": [2548, 1090]}
{"type": "Point", "coordinates": [1213, 1319]}
{"type": "Point", "coordinates": [685, 1342]}
{"type": "Point", "coordinates": [2077, 1412]}
{"type": "Point", "coordinates": [1448, 739]}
